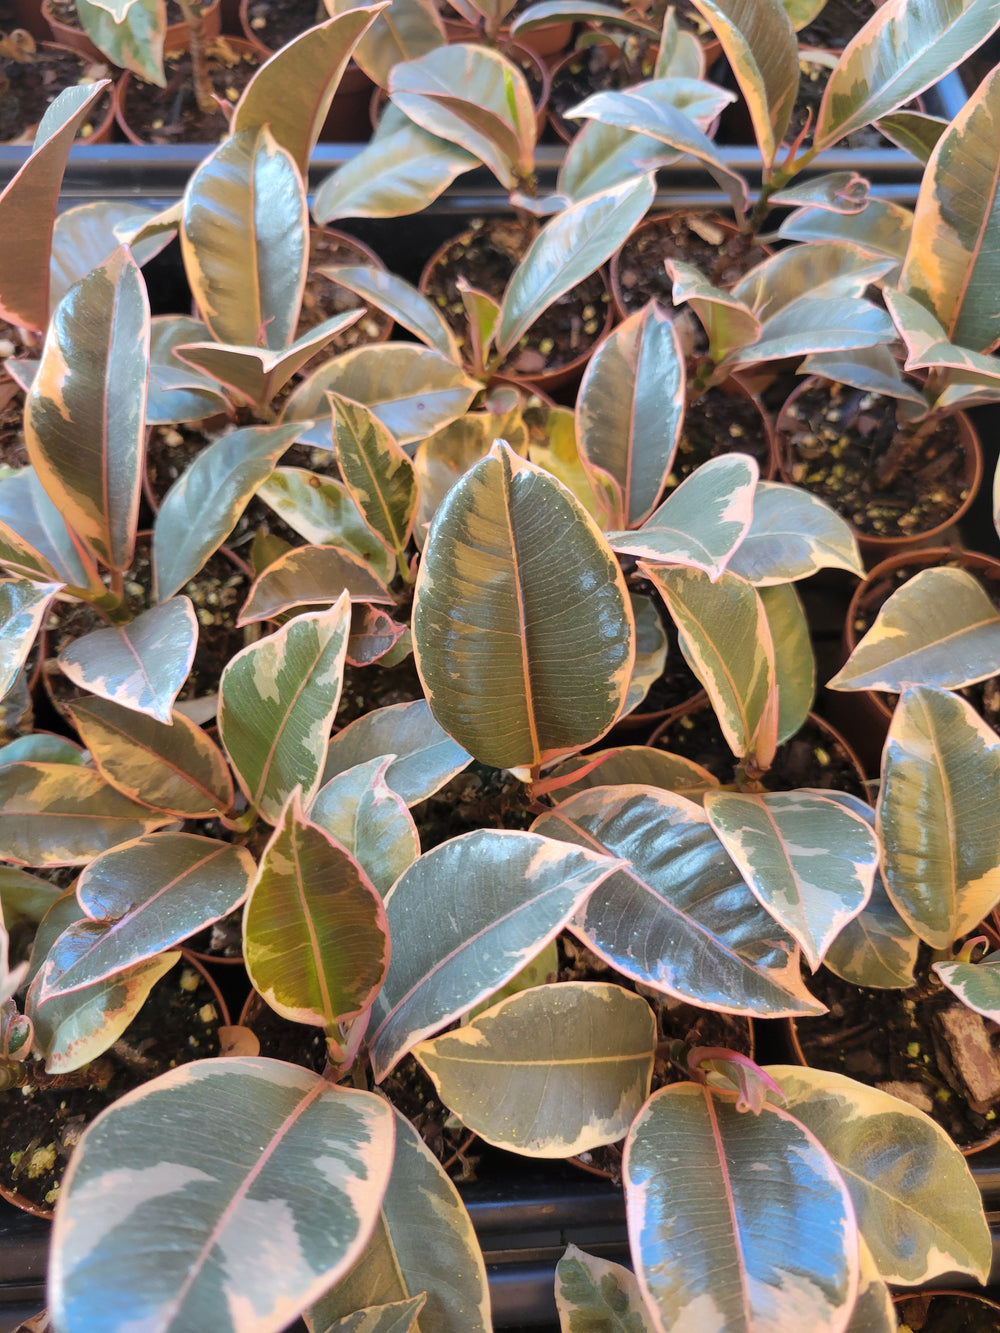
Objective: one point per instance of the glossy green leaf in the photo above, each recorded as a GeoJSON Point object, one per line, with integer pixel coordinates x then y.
{"type": "Point", "coordinates": [513, 1074]}
{"type": "Point", "coordinates": [941, 844]}
{"type": "Point", "coordinates": [703, 521]}
{"type": "Point", "coordinates": [939, 628]}
{"type": "Point", "coordinates": [809, 861]}
{"type": "Point", "coordinates": [821, 270]}
{"type": "Point", "coordinates": [142, 664]}
{"type": "Point", "coordinates": [34, 540]}
{"type": "Point", "coordinates": [474, 97]}
{"type": "Point", "coordinates": [23, 606]}
{"type": "Point", "coordinates": [871, 369]}
{"type": "Point", "coordinates": [45, 747]}
{"type": "Point", "coordinates": [360, 810]}
{"type": "Point", "coordinates": [314, 928]}
{"type": "Point", "coordinates": [247, 277]}
{"type": "Point", "coordinates": [71, 1030]}
{"type": "Point", "coordinates": [728, 321]}
{"type": "Point", "coordinates": [473, 911]}
{"type": "Point", "coordinates": [423, 1242]}
{"type": "Point", "coordinates": [679, 918]}
{"type": "Point", "coordinates": [28, 208]}
{"type": "Point", "coordinates": [955, 244]}
{"type": "Point", "coordinates": [629, 411]}
{"type": "Point", "coordinates": [783, 1245]}
{"type": "Point", "coordinates": [602, 156]}
{"type": "Point", "coordinates": [794, 660]}
{"type": "Point", "coordinates": [205, 502]}
{"type": "Point", "coordinates": [142, 898]}
{"type": "Point", "coordinates": [792, 535]}
{"type": "Point", "coordinates": [758, 40]}
{"type": "Point", "coordinates": [376, 472]}
{"type": "Point", "coordinates": [412, 390]}
{"type": "Point", "coordinates": [278, 700]}
{"type": "Point", "coordinates": [24, 897]}
{"type": "Point", "coordinates": [83, 418]}
{"type": "Point", "coordinates": [291, 93]}
{"type": "Point", "coordinates": [596, 1294]}
{"type": "Point", "coordinates": [86, 235]}
{"type": "Point", "coordinates": [650, 650]}
{"type": "Point", "coordinates": [883, 226]}
{"type": "Point", "coordinates": [310, 575]}
{"type": "Point", "coordinates": [829, 324]}
{"type": "Point", "coordinates": [629, 764]}
{"type": "Point", "coordinates": [399, 1317]}
{"type": "Point", "coordinates": [406, 303]}
{"type": "Point", "coordinates": [977, 985]}
{"type": "Point", "coordinates": [519, 668]}
{"type": "Point", "coordinates": [424, 756]}
{"type": "Point", "coordinates": [899, 53]}
{"type": "Point", "coordinates": [322, 511]}
{"type": "Point", "coordinates": [133, 42]}
{"type": "Point", "coordinates": [173, 767]}
{"type": "Point", "coordinates": [727, 643]}
{"type": "Point", "coordinates": [404, 30]}
{"type": "Point", "coordinates": [567, 249]}
{"type": "Point", "coordinates": [917, 1205]}
{"type": "Point", "coordinates": [802, 12]}
{"type": "Point", "coordinates": [913, 131]}
{"type": "Point", "coordinates": [178, 392]}
{"type": "Point", "coordinates": [305, 1166]}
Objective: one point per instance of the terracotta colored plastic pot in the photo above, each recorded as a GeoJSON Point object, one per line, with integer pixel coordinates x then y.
{"type": "Point", "coordinates": [174, 39]}
{"type": "Point", "coordinates": [873, 546]}
{"type": "Point", "coordinates": [549, 42]}
{"type": "Point", "coordinates": [104, 125]}
{"type": "Point", "coordinates": [125, 83]}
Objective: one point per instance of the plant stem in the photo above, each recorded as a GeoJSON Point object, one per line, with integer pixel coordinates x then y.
{"type": "Point", "coordinates": [777, 182]}
{"type": "Point", "coordinates": [203, 92]}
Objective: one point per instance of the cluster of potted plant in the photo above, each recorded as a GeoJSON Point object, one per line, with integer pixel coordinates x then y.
{"type": "Point", "coordinates": [324, 656]}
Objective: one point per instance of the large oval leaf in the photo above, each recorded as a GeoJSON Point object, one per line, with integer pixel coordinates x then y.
{"type": "Point", "coordinates": [424, 756]}
{"type": "Point", "coordinates": [629, 412]}
{"type": "Point", "coordinates": [423, 1241]}
{"type": "Point", "coordinates": [512, 1074]}
{"type": "Point", "coordinates": [679, 917]}
{"type": "Point", "coordinates": [83, 416]}
{"type": "Point", "coordinates": [278, 700]}
{"type": "Point", "coordinates": [473, 912]}
{"type": "Point", "coordinates": [917, 1205]}
{"type": "Point", "coordinates": [360, 810]}
{"type": "Point", "coordinates": [247, 276]}
{"type": "Point", "coordinates": [519, 667]}
{"type": "Point", "coordinates": [809, 860]}
{"type": "Point", "coordinates": [941, 844]}
{"type": "Point", "coordinates": [314, 930]}
{"type": "Point", "coordinates": [792, 535]}
{"type": "Point", "coordinates": [142, 898]}
{"type": "Point", "coordinates": [738, 1223]}
{"type": "Point", "coordinates": [184, 1234]}
{"type": "Point", "coordinates": [23, 605]}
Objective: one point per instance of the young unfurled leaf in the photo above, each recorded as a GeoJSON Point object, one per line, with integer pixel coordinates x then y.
{"type": "Point", "coordinates": [142, 664]}
{"type": "Point", "coordinates": [473, 910]}
{"type": "Point", "coordinates": [423, 1241]}
{"type": "Point", "coordinates": [519, 668]}
{"type": "Point", "coordinates": [83, 418]}
{"type": "Point", "coordinates": [679, 917]}
{"type": "Point", "coordinates": [424, 756]}
{"type": "Point", "coordinates": [784, 1245]}
{"type": "Point", "coordinates": [142, 898]}
{"type": "Point", "coordinates": [941, 844]}
{"type": "Point", "coordinates": [310, 576]}
{"type": "Point", "coordinates": [361, 811]}
{"type": "Point", "coordinates": [23, 605]}
{"type": "Point", "coordinates": [278, 700]}
{"type": "Point", "coordinates": [284, 1126]}
{"type": "Point", "coordinates": [629, 412]}
{"type": "Point", "coordinates": [843, 193]}
{"type": "Point", "coordinates": [585, 1045]}
{"type": "Point", "coordinates": [792, 535]}
{"type": "Point", "coordinates": [596, 1293]}
{"type": "Point", "coordinates": [809, 860]}
{"type": "Point", "coordinates": [314, 930]}
{"type": "Point", "coordinates": [918, 1223]}
{"type": "Point", "coordinates": [248, 288]}
{"type": "Point", "coordinates": [173, 767]}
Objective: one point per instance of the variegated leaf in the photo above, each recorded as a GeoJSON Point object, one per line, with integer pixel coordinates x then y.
{"type": "Point", "coordinates": [322, 511]}
{"type": "Point", "coordinates": [314, 928]}
{"type": "Point", "coordinates": [359, 810]}
{"type": "Point", "coordinates": [83, 416]}
{"type": "Point", "coordinates": [399, 1317]}
{"type": "Point", "coordinates": [142, 664]}
{"type": "Point", "coordinates": [792, 535]}
{"type": "Point", "coordinates": [178, 392]}
{"type": "Point", "coordinates": [172, 767]}
{"type": "Point", "coordinates": [627, 765]}
{"type": "Point", "coordinates": [596, 1293]}
{"type": "Point", "coordinates": [650, 650]}
{"type": "Point", "coordinates": [65, 815]}
{"type": "Point", "coordinates": [843, 193]}
{"type": "Point", "coordinates": [883, 226]}
{"type": "Point", "coordinates": [423, 1242]}
{"type": "Point", "coordinates": [278, 700]}
{"type": "Point", "coordinates": [445, 457]}
{"type": "Point", "coordinates": [403, 30]}
{"type": "Point", "coordinates": [703, 521]}
{"type": "Point", "coordinates": [783, 1251]}
{"type": "Point", "coordinates": [913, 131]}
{"type": "Point", "coordinates": [424, 756]}
{"type": "Point", "coordinates": [917, 1205]}
{"type": "Point", "coordinates": [728, 321]}
{"type": "Point", "coordinates": [821, 270]}
{"type": "Point", "coordinates": [142, 898]}
{"type": "Point", "coordinates": [45, 747]}
{"type": "Point", "coordinates": [807, 326]}
{"type": "Point", "coordinates": [512, 1073]}
{"type": "Point", "coordinates": [305, 1167]}
{"type": "Point", "coordinates": [205, 502]}
{"type": "Point", "coordinates": [976, 984]}
{"type": "Point", "coordinates": [473, 910]}
{"type": "Point", "coordinates": [941, 844]}
{"type": "Point", "coordinates": [560, 456]}
{"type": "Point", "coordinates": [311, 576]}
{"type": "Point", "coordinates": [376, 472]}
{"type": "Point", "coordinates": [679, 917]}
{"type": "Point", "coordinates": [809, 861]}
{"type": "Point", "coordinates": [133, 41]}
{"type": "Point", "coordinates": [794, 660]}
{"type": "Point", "coordinates": [24, 897]}
{"type": "Point", "coordinates": [871, 369]}
{"type": "Point", "coordinates": [939, 628]}
{"type": "Point", "coordinates": [249, 288]}
{"type": "Point", "coordinates": [629, 412]}
{"type": "Point", "coordinates": [601, 156]}
{"type": "Point", "coordinates": [23, 605]}
{"type": "Point", "coordinates": [34, 540]}
{"type": "Point", "coordinates": [406, 303]}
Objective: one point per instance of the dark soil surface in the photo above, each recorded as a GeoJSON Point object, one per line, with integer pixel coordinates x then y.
{"type": "Point", "coordinates": [836, 23]}
{"type": "Point", "coordinates": [170, 114]}
{"type": "Point", "coordinates": [844, 445]}
{"type": "Point", "coordinates": [276, 22]}
{"type": "Point", "coordinates": [707, 241]}
{"type": "Point", "coordinates": [720, 423]}
{"type": "Point", "coordinates": [323, 298]}
{"type": "Point", "coordinates": [930, 1312]}
{"type": "Point", "coordinates": [596, 69]}
{"type": "Point", "coordinates": [28, 88]}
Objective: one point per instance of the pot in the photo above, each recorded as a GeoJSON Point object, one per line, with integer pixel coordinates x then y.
{"type": "Point", "coordinates": [244, 51]}
{"type": "Point", "coordinates": [174, 38]}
